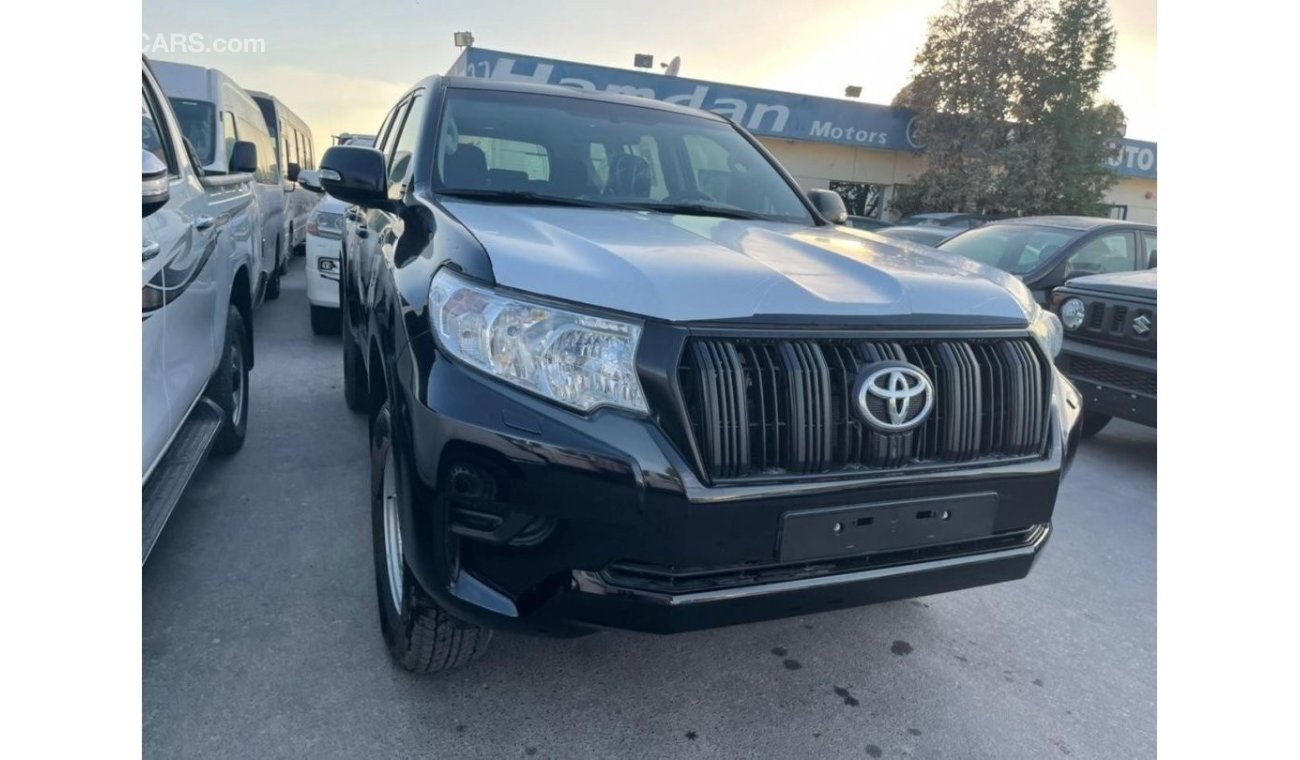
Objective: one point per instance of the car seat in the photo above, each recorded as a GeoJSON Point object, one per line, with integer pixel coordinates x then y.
{"type": "Point", "coordinates": [466, 168]}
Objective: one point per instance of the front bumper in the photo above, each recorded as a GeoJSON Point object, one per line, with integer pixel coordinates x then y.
{"type": "Point", "coordinates": [1114, 390]}
{"type": "Point", "coordinates": [535, 518]}
{"type": "Point", "coordinates": [322, 287]}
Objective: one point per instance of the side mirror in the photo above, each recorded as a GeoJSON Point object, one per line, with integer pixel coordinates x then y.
{"type": "Point", "coordinates": [294, 171]}
{"type": "Point", "coordinates": [154, 187]}
{"type": "Point", "coordinates": [1151, 260]}
{"type": "Point", "coordinates": [310, 180]}
{"type": "Point", "coordinates": [829, 204]}
{"type": "Point", "coordinates": [355, 175]}
{"type": "Point", "coordinates": [243, 158]}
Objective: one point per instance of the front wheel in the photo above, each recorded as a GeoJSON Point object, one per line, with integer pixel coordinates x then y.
{"type": "Point", "coordinates": [229, 387]}
{"type": "Point", "coordinates": [421, 636]}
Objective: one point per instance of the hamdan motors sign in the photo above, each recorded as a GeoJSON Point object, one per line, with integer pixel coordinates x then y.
{"type": "Point", "coordinates": [763, 112]}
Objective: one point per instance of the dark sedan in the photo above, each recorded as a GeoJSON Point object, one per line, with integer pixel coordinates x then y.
{"type": "Point", "coordinates": [928, 235]}
{"type": "Point", "coordinates": [950, 219]}
{"type": "Point", "coordinates": [1045, 251]}
{"type": "Point", "coordinates": [866, 223]}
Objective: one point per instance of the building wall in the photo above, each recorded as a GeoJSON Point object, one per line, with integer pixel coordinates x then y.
{"type": "Point", "coordinates": [817, 164]}
{"type": "Point", "coordinates": [1132, 192]}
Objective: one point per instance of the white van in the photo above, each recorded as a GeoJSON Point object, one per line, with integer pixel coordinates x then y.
{"type": "Point", "coordinates": [214, 113]}
{"type": "Point", "coordinates": [295, 152]}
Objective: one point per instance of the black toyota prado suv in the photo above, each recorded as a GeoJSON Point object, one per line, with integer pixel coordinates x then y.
{"type": "Point", "coordinates": [621, 372]}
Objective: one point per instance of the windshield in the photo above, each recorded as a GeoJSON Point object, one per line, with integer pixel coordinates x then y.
{"type": "Point", "coordinates": [598, 153]}
{"type": "Point", "coordinates": [198, 123]}
{"type": "Point", "coordinates": [1014, 248]}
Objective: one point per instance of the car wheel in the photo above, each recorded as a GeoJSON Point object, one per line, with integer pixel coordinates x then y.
{"type": "Point", "coordinates": [421, 636]}
{"type": "Point", "coordinates": [324, 320]}
{"type": "Point", "coordinates": [1093, 423]}
{"type": "Point", "coordinates": [229, 387]}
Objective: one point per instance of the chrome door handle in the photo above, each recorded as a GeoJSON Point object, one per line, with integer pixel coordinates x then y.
{"type": "Point", "coordinates": [203, 222]}
{"type": "Point", "coordinates": [149, 250]}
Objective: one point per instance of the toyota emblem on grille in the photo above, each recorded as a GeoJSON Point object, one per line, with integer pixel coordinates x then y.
{"type": "Point", "coordinates": [895, 396]}
{"type": "Point", "coordinates": [1142, 324]}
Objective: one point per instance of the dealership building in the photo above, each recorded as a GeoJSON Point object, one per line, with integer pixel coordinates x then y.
{"type": "Point", "coordinates": [862, 150]}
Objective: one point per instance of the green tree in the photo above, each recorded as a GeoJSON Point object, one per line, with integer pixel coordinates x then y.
{"type": "Point", "coordinates": [1008, 113]}
{"type": "Point", "coordinates": [1073, 124]}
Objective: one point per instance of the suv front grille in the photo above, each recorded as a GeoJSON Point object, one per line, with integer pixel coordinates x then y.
{"type": "Point", "coordinates": [763, 407]}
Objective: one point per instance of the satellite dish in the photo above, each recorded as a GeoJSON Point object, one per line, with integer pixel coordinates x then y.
{"type": "Point", "coordinates": [673, 66]}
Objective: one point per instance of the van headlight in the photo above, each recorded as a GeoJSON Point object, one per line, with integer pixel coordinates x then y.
{"type": "Point", "coordinates": [1046, 328]}
{"type": "Point", "coordinates": [578, 360]}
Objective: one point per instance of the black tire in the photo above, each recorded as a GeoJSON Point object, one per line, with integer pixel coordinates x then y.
{"type": "Point", "coordinates": [324, 320]}
{"type": "Point", "coordinates": [1093, 423]}
{"type": "Point", "coordinates": [421, 636]}
{"type": "Point", "coordinates": [229, 387]}
{"type": "Point", "coordinates": [273, 287]}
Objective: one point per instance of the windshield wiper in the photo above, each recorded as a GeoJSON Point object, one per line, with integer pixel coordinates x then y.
{"type": "Point", "coordinates": [518, 196]}
{"type": "Point", "coordinates": [695, 209]}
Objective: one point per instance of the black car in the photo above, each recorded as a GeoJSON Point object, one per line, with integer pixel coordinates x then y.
{"type": "Point", "coordinates": [617, 386]}
{"type": "Point", "coordinates": [952, 219]}
{"type": "Point", "coordinates": [1045, 251]}
{"type": "Point", "coordinates": [866, 222]}
{"type": "Point", "coordinates": [926, 235]}
{"type": "Point", "coordinates": [1110, 345]}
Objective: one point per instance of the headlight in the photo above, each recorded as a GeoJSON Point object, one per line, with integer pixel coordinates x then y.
{"type": "Point", "coordinates": [325, 224]}
{"type": "Point", "coordinates": [1072, 313]}
{"type": "Point", "coordinates": [1047, 329]}
{"type": "Point", "coordinates": [576, 359]}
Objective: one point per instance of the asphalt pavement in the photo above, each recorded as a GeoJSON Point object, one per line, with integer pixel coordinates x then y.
{"type": "Point", "coordinates": [261, 636]}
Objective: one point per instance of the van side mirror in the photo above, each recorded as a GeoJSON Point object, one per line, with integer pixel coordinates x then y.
{"type": "Point", "coordinates": [355, 175]}
{"type": "Point", "coordinates": [829, 204]}
{"type": "Point", "coordinates": [1151, 259]}
{"type": "Point", "coordinates": [154, 187]}
{"type": "Point", "coordinates": [243, 157]}
{"type": "Point", "coordinates": [293, 172]}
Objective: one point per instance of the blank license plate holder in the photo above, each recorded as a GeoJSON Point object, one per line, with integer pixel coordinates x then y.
{"type": "Point", "coordinates": [870, 528]}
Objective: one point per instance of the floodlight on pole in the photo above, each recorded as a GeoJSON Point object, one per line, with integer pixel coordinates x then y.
{"type": "Point", "coordinates": [852, 91]}
{"type": "Point", "coordinates": [643, 61]}
{"type": "Point", "coordinates": [463, 39]}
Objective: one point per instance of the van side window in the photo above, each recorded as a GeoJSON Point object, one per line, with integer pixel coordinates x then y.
{"type": "Point", "coordinates": [152, 133]}
{"type": "Point", "coordinates": [228, 129]}
{"type": "Point", "coordinates": [267, 171]}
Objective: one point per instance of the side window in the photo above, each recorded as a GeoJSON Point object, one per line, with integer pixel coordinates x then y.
{"type": "Point", "coordinates": [152, 130]}
{"type": "Point", "coordinates": [1111, 252]}
{"type": "Point", "coordinates": [1149, 242]}
{"type": "Point", "coordinates": [399, 162]}
{"type": "Point", "coordinates": [386, 130]}
{"type": "Point", "coordinates": [229, 131]}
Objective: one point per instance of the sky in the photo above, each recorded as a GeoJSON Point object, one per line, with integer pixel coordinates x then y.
{"type": "Point", "coordinates": [341, 65]}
